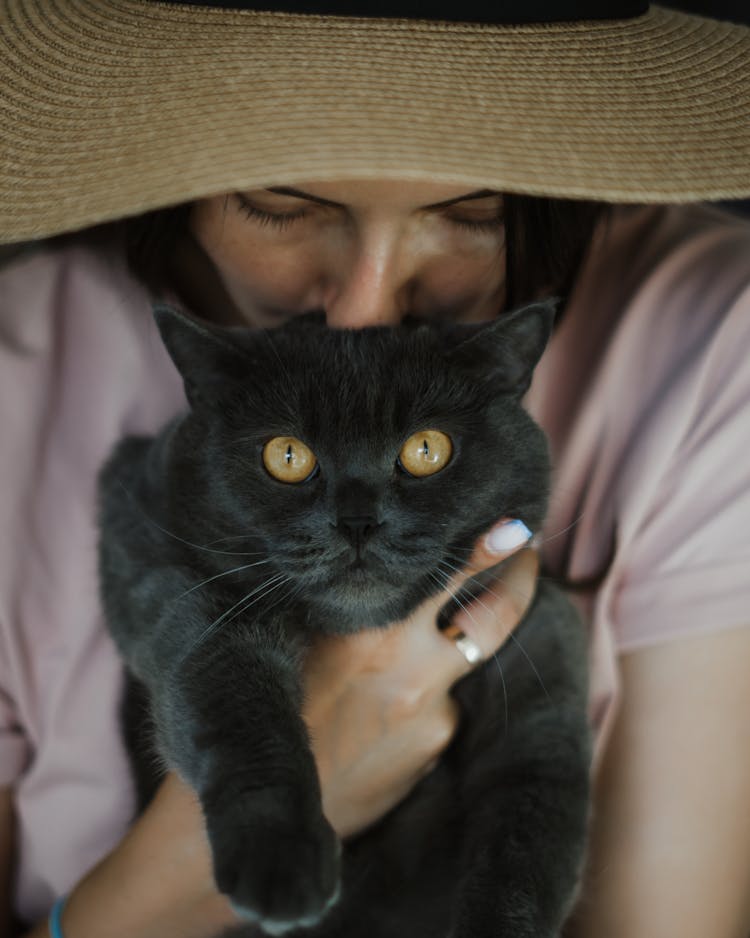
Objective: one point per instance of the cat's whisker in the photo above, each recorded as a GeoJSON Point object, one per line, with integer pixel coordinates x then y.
{"type": "Point", "coordinates": [495, 657]}
{"type": "Point", "coordinates": [463, 550]}
{"type": "Point", "coordinates": [455, 598]}
{"type": "Point", "coordinates": [552, 537]}
{"type": "Point", "coordinates": [483, 587]}
{"type": "Point", "coordinates": [426, 592]}
{"type": "Point", "coordinates": [495, 577]}
{"type": "Point", "coordinates": [216, 576]}
{"type": "Point", "coordinates": [257, 599]}
{"type": "Point", "coordinates": [293, 593]}
{"type": "Point", "coordinates": [436, 579]}
{"type": "Point", "coordinates": [252, 595]}
{"type": "Point", "coordinates": [233, 537]}
{"type": "Point", "coordinates": [285, 597]}
{"type": "Point", "coordinates": [476, 598]}
{"type": "Point", "coordinates": [434, 575]}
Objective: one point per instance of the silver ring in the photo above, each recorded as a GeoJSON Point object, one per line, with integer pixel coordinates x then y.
{"type": "Point", "coordinates": [467, 646]}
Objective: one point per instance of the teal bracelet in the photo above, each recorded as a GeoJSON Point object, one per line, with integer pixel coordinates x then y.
{"type": "Point", "coordinates": [55, 918]}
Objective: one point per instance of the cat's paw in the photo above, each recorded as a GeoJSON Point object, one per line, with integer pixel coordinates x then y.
{"type": "Point", "coordinates": [279, 875]}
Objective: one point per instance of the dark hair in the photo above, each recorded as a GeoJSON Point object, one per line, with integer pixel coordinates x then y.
{"type": "Point", "coordinates": [546, 242]}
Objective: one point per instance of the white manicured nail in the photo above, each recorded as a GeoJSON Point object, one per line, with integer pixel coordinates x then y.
{"type": "Point", "coordinates": [507, 536]}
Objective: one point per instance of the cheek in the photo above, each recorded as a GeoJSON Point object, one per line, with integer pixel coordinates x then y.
{"type": "Point", "coordinates": [461, 272]}
{"type": "Point", "coordinates": [259, 273]}
{"type": "Point", "coordinates": [471, 287]}
{"type": "Point", "coordinates": [480, 272]}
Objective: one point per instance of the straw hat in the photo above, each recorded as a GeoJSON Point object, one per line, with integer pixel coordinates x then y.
{"type": "Point", "coordinates": [113, 107]}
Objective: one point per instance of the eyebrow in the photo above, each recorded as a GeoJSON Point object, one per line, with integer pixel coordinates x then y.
{"type": "Point", "coordinates": [298, 194]}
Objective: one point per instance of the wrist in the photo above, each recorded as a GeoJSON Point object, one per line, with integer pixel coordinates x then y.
{"type": "Point", "coordinates": [157, 883]}
{"type": "Point", "coordinates": [54, 922]}
{"type": "Point", "coordinates": [103, 906]}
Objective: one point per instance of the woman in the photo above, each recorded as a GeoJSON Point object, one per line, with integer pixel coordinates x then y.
{"type": "Point", "coordinates": [366, 167]}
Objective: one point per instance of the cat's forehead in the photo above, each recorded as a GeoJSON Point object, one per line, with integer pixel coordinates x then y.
{"type": "Point", "coordinates": [375, 373]}
{"type": "Point", "coordinates": [358, 396]}
{"type": "Point", "coordinates": [362, 357]}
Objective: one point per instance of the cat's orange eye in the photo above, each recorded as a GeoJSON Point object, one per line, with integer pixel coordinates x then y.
{"type": "Point", "coordinates": [289, 459]}
{"type": "Point", "coordinates": [426, 453]}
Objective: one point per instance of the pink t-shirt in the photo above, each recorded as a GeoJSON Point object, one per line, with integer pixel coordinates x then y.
{"type": "Point", "coordinates": [643, 390]}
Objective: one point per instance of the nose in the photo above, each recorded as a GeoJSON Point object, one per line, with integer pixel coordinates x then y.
{"type": "Point", "coordinates": [373, 286]}
{"type": "Point", "coordinates": [357, 529]}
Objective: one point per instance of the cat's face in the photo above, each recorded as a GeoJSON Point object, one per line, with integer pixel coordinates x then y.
{"type": "Point", "coordinates": [363, 463]}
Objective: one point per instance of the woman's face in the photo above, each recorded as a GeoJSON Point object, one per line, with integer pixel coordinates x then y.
{"type": "Point", "coordinates": [366, 252]}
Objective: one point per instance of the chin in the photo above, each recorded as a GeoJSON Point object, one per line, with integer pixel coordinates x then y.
{"type": "Point", "coordinates": [355, 599]}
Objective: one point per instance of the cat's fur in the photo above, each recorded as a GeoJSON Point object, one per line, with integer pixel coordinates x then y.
{"type": "Point", "coordinates": [490, 843]}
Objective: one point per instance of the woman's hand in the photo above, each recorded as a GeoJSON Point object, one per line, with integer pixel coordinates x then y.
{"type": "Point", "coordinates": [379, 711]}
{"type": "Point", "coordinates": [157, 883]}
{"type": "Point", "coordinates": [378, 703]}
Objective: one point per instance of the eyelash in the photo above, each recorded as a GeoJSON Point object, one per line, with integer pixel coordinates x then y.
{"type": "Point", "coordinates": [282, 221]}
{"type": "Point", "coordinates": [487, 224]}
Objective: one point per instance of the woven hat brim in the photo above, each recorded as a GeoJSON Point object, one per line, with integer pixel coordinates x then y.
{"type": "Point", "coordinates": [113, 107]}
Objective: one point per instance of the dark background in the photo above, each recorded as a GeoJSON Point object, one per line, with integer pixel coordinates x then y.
{"type": "Point", "coordinates": [736, 10]}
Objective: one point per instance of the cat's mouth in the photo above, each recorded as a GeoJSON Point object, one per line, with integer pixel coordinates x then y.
{"type": "Point", "coordinates": [360, 578]}
{"type": "Point", "coordinates": [363, 571]}
{"type": "Point", "coordinates": [362, 574]}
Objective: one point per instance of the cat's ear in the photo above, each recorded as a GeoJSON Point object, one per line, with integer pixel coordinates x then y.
{"type": "Point", "coordinates": [506, 351]}
{"type": "Point", "coordinates": [205, 355]}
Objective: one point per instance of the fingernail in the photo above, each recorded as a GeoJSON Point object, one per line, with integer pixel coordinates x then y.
{"type": "Point", "coordinates": [506, 536]}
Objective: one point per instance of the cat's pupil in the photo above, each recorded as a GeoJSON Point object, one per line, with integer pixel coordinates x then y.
{"type": "Point", "coordinates": [289, 456]}
{"type": "Point", "coordinates": [425, 448]}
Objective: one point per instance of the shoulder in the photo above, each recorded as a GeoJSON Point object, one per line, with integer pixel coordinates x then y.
{"type": "Point", "coordinates": [664, 276]}
{"type": "Point", "coordinates": [645, 390]}
{"type": "Point", "coordinates": [81, 364]}
{"type": "Point", "coordinates": [673, 287]}
{"type": "Point", "coordinates": [639, 242]}
{"type": "Point", "coordinates": [74, 322]}
{"type": "Point", "coordinates": [45, 289]}
{"type": "Point", "coordinates": [659, 320]}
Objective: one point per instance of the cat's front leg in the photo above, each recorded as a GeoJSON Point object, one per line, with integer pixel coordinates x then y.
{"type": "Point", "coordinates": [230, 723]}
{"type": "Point", "coordinates": [275, 858]}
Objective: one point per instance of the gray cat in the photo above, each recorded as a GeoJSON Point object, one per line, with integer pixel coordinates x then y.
{"type": "Point", "coordinates": [329, 481]}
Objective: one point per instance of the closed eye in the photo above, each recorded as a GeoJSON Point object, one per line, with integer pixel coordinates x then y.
{"type": "Point", "coordinates": [280, 220]}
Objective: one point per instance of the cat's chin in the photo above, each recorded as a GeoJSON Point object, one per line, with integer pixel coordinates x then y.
{"type": "Point", "coordinates": [355, 599]}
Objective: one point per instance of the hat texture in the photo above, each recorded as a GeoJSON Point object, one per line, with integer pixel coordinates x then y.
{"type": "Point", "coordinates": [114, 107]}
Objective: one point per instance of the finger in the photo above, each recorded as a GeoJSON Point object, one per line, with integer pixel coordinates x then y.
{"type": "Point", "coordinates": [479, 627]}
{"type": "Point", "coordinates": [487, 564]}
{"type": "Point", "coordinates": [495, 547]}
{"type": "Point", "coordinates": [503, 540]}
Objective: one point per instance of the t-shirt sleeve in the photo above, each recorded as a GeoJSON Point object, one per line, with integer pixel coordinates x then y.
{"type": "Point", "coordinates": [14, 750]}
{"type": "Point", "coordinates": [20, 403]}
{"type": "Point", "coordinates": [683, 564]}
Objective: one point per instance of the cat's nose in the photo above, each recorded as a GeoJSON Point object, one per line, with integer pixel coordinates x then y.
{"type": "Point", "coordinates": [357, 529]}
